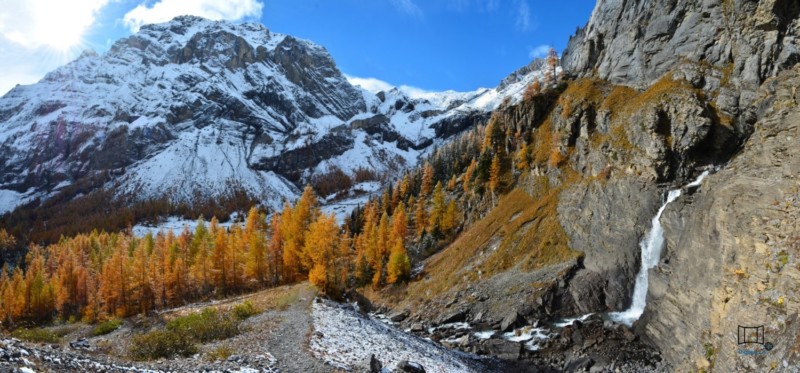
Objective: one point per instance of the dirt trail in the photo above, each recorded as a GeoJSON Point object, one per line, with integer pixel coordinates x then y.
{"type": "Point", "coordinates": [288, 340]}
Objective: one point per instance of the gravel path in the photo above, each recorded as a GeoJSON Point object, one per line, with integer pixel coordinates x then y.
{"type": "Point", "coordinates": [288, 340]}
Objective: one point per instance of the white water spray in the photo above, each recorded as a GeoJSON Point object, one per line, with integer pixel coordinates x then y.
{"type": "Point", "coordinates": [651, 247]}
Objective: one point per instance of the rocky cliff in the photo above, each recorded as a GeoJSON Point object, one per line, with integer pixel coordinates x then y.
{"type": "Point", "coordinates": [731, 252]}
{"type": "Point", "coordinates": [635, 42]}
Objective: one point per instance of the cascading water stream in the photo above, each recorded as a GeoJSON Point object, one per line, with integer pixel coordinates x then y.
{"type": "Point", "coordinates": [651, 247]}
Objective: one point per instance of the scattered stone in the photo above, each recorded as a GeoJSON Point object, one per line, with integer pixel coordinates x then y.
{"type": "Point", "coordinates": [452, 317]}
{"type": "Point", "coordinates": [409, 367]}
{"type": "Point", "coordinates": [502, 348]}
{"type": "Point", "coordinates": [375, 365]}
{"type": "Point", "coordinates": [510, 320]}
{"type": "Point", "coordinates": [80, 343]}
{"type": "Point", "coordinates": [581, 364]}
{"type": "Point", "coordinates": [577, 337]}
{"type": "Point", "coordinates": [628, 335]}
{"type": "Point", "coordinates": [399, 316]}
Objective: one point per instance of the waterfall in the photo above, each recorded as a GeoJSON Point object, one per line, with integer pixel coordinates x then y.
{"type": "Point", "coordinates": [651, 246]}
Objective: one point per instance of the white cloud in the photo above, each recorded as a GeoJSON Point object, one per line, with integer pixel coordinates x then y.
{"type": "Point", "coordinates": [47, 23]}
{"type": "Point", "coordinates": [165, 10]}
{"type": "Point", "coordinates": [523, 21]}
{"type": "Point", "coordinates": [408, 7]}
{"type": "Point", "coordinates": [37, 36]}
{"type": "Point", "coordinates": [370, 84]}
{"type": "Point", "coordinates": [539, 52]}
{"type": "Point", "coordinates": [415, 92]}
{"type": "Point", "coordinates": [376, 85]}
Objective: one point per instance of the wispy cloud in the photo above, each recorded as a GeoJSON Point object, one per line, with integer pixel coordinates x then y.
{"type": "Point", "coordinates": [490, 5]}
{"type": "Point", "coordinates": [375, 85]}
{"type": "Point", "coordinates": [165, 10]}
{"type": "Point", "coordinates": [408, 7]}
{"type": "Point", "coordinates": [482, 6]}
{"type": "Point", "coordinates": [370, 84]}
{"type": "Point", "coordinates": [458, 5]}
{"type": "Point", "coordinates": [539, 52]}
{"type": "Point", "coordinates": [523, 22]}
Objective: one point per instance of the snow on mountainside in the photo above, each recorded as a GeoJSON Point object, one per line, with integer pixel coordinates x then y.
{"type": "Point", "coordinates": [193, 106]}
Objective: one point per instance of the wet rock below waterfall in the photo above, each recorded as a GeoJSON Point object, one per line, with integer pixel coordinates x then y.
{"type": "Point", "coordinates": [592, 345]}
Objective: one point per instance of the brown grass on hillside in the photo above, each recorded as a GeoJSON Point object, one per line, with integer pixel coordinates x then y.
{"type": "Point", "coordinates": [618, 98]}
{"type": "Point", "coordinates": [522, 231]}
{"type": "Point", "coordinates": [543, 142]}
{"type": "Point", "coordinates": [660, 90]}
{"type": "Point", "coordinates": [277, 298]}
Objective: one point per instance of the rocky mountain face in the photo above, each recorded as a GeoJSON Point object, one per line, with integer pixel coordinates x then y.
{"type": "Point", "coordinates": [731, 251]}
{"type": "Point", "coordinates": [192, 106]}
{"type": "Point", "coordinates": [635, 42]}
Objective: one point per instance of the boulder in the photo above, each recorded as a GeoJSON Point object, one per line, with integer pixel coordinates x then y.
{"type": "Point", "coordinates": [409, 367]}
{"type": "Point", "coordinates": [581, 364]}
{"type": "Point", "coordinates": [375, 365]}
{"type": "Point", "coordinates": [417, 327]}
{"type": "Point", "coordinates": [511, 320]}
{"type": "Point", "coordinates": [80, 343]}
{"type": "Point", "coordinates": [502, 348]}
{"type": "Point", "coordinates": [454, 316]}
{"type": "Point", "coordinates": [398, 316]}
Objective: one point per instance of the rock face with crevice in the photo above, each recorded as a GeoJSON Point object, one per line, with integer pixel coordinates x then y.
{"type": "Point", "coordinates": [731, 255]}
{"type": "Point", "coordinates": [732, 251]}
{"type": "Point", "coordinates": [636, 42]}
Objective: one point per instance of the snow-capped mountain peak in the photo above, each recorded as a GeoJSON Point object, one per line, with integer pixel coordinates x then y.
{"type": "Point", "coordinates": [192, 105]}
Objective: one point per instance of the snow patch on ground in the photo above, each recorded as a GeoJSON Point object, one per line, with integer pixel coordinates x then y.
{"type": "Point", "coordinates": [343, 208]}
{"type": "Point", "coordinates": [346, 340]}
{"type": "Point", "coordinates": [173, 223]}
{"type": "Point", "coordinates": [9, 200]}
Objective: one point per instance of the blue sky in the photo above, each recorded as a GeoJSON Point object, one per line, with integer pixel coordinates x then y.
{"type": "Point", "coordinates": [429, 44]}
